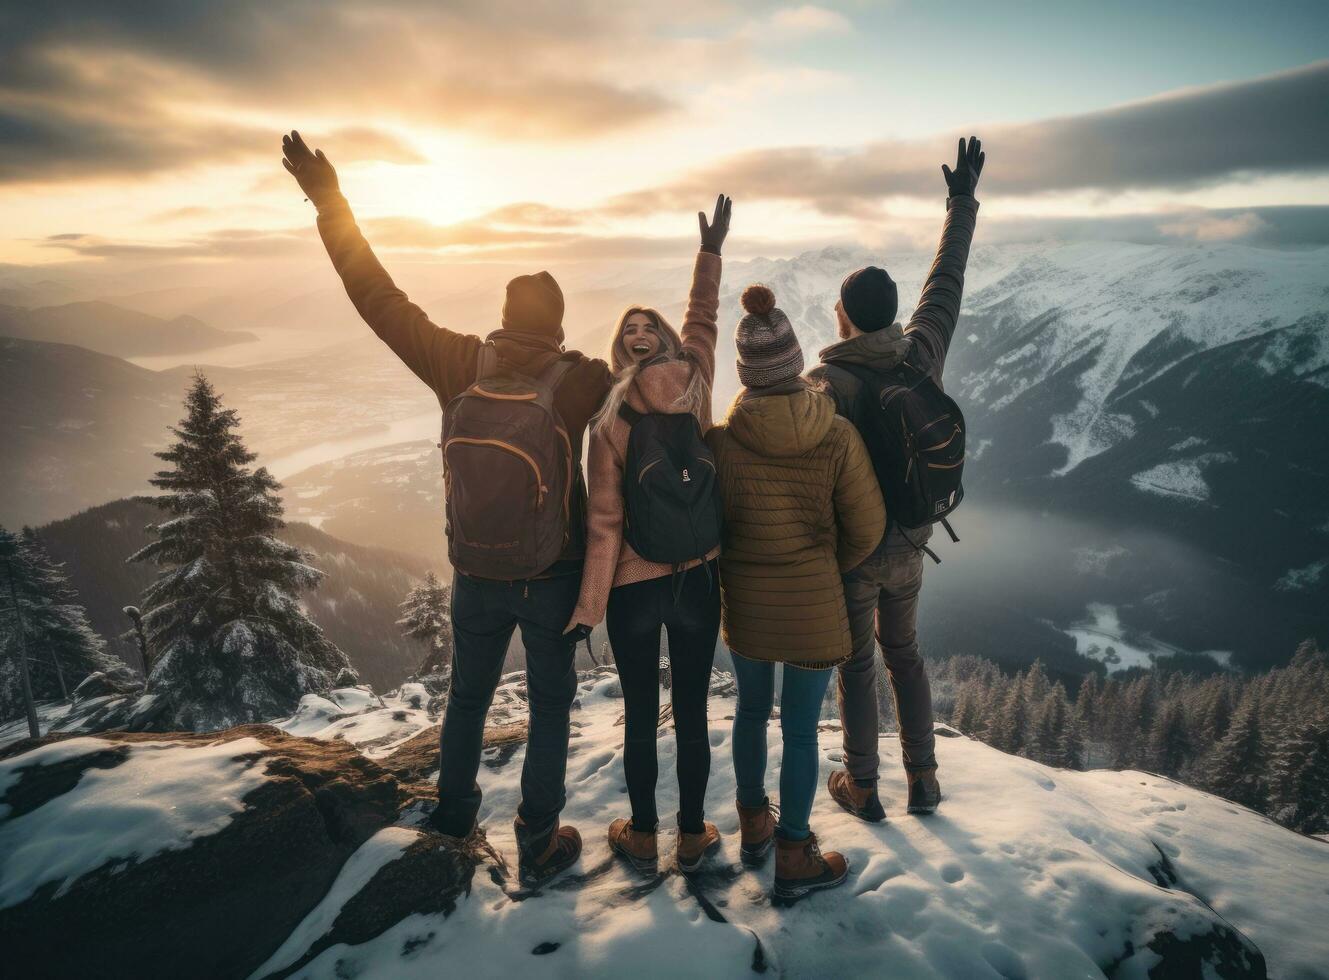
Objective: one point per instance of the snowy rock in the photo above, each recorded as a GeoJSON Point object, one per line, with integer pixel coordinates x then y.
{"type": "Point", "coordinates": [175, 855]}
{"type": "Point", "coordinates": [106, 684]}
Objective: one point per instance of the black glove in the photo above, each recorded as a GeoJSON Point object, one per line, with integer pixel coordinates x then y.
{"type": "Point", "coordinates": [579, 633]}
{"type": "Point", "coordinates": [713, 234]}
{"type": "Point", "coordinates": [968, 165]}
{"type": "Point", "coordinates": [311, 171]}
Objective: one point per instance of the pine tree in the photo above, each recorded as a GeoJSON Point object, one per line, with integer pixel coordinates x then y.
{"type": "Point", "coordinates": [1301, 780]}
{"type": "Point", "coordinates": [229, 641]}
{"type": "Point", "coordinates": [1070, 752]}
{"type": "Point", "coordinates": [968, 713]}
{"type": "Point", "coordinates": [1238, 766]}
{"type": "Point", "coordinates": [1169, 741]}
{"type": "Point", "coordinates": [424, 616]}
{"type": "Point", "coordinates": [62, 648]}
{"type": "Point", "coordinates": [1011, 719]}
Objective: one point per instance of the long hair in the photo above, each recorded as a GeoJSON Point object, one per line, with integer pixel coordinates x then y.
{"type": "Point", "coordinates": [696, 397]}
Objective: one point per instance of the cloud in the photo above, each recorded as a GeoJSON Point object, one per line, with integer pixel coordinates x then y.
{"type": "Point", "coordinates": [1205, 227]}
{"type": "Point", "coordinates": [116, 88]}
{"type": "Point", "coordinates": [808, 19]}
{"type": "Point", "coordinates": [1180, 140]}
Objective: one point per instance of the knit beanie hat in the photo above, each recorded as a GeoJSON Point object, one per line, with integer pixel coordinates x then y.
{"type": "Point", "coordinates": [534, 305]}
{"type": "Point", "coordinates": [869, 298]}
{"type": "Point", "coordinates": [768, 350]}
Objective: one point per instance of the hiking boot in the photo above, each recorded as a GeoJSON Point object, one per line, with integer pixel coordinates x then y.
{"type": "Point", "coordinates": [861, 801]}
{"type": "Point", "coordinates": [801, 869]}
{"type": "Point", "coordinates": [756, 827]}
{"type": "Point", "coordinates": [637, 847]}
{"type": "Point", "coordinates": [693, 849]}
{"type": "Point", "coordinates": [539, 859]}
{"type": "Point", "coordinates": [924, 790]}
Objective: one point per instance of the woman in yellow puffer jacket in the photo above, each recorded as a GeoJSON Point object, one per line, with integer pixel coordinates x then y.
{"type": "Point", "coordinates": [801, 506]}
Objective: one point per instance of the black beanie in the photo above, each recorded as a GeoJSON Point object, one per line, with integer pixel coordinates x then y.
{"type": "Point", "coordinates": [534, 305]}
{"type": "Point", "coordinates": [869, 298]}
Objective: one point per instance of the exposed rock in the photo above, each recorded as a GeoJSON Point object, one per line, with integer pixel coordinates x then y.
{"type": "Point", "coordinates": [417, 758]}
{"type": "Point", "coordinates": [222, 904]}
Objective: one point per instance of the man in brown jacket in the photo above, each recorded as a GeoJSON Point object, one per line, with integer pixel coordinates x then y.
{"type": "Point", "coordinates": [485, 611]}
{"type": "Point", "coordinates": [884, 589]}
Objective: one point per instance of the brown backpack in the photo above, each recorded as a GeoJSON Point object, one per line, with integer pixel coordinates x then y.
{"type": "Point", "coordinates": [508, 471]}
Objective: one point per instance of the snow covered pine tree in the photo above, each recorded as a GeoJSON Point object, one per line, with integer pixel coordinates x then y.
{"type": "Point", "coordinates": [424, 616]}
{"type": "Point", "coordinates": [229, 642]}
{"type": "Point", "coordinates": [62, 649]}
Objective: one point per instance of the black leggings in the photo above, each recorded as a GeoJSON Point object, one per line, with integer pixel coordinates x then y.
{"type": "Point", "coordinates": [636, 613]}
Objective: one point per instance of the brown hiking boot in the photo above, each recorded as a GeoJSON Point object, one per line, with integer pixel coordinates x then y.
{"type": "Point", "coordinates": [924, 790]}
{"type": "Point", "coordinates": [539, 859]}
{"type": "Point", "coordinates": [801, 869]}
{"type": "Point", "coordinates": [756, 827]}
{"type": "Point", "coordinates": [861, 801]}
{"type": "Point", "coordinates": [693, 849]}
{"type": "Point", "coordinates": [637, 847]}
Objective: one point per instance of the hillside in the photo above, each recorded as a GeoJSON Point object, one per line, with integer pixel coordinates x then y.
{"type": "Point", "coordinates": [356, 605]}
{"type": "Point", "coordinates": [76, 427]}
{"type": "Point", "coordinates": [109, 329]}
{"type": "Point", "coordinates": [1026, 871]}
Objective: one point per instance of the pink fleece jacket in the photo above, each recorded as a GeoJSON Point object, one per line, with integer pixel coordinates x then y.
{"type": "Point", "coordinates": [610, 560]}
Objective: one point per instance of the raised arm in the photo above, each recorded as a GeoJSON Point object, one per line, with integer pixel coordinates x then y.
{"type": "Point", "coordinates": [440, 358]}
{"type": "Point", "coordinates": [860, 513]}
{"type": "Point", "coordinates": [938, 308]}
{"type": "Point", "coordinates": [699, 329]}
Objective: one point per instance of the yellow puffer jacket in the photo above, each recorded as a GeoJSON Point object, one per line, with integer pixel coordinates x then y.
{"type": "Point", "coordinates": [801, 506]}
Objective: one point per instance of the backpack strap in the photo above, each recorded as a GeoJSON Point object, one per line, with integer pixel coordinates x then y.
{"type": "Point", "coordinates": [554, 374]}
{"type": "Point", "coordinates": [629, 414]}
{"type": "Point", "coordinates": [486, 361]}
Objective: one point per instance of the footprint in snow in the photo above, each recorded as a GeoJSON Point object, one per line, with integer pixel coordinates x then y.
{"type": "Point", "coordinates": [951, 873]}
{"type": "Point", "coordinates": [1005, 961]}
{"type": "Point", "coordinates": [595, 763]}
{"type": "Point", "coordinates": [1044, 782]}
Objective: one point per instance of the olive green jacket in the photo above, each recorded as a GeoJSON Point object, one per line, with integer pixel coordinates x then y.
{"type": "Point", "coordinates": [801, 506]}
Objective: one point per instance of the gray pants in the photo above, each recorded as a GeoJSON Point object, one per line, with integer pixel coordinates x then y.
{"type": "Point", "coordinates": [883, 591]}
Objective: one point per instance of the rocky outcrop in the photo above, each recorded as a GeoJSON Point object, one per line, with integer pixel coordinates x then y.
{"type": "Point", "coordinates": [222, 904]}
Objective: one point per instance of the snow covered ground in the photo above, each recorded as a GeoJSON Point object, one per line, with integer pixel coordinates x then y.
{"type": "Point", "coordinates": [1025, 872]}
{"type": "Point", "coordinates": [162, 797]}
{"type": "Point", "coordinates": [1101, 636]}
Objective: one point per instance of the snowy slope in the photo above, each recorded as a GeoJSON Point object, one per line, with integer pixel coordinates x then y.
{"type": "Point", "coordinates": [1025, 872]}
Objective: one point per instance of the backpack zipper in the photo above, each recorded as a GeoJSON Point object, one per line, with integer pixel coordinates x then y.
{"type": "Point", "coordinates": [509, 448]}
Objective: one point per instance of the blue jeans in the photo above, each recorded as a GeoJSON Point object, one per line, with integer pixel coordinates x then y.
{"type": "Point", "coordinates": [800, 708]}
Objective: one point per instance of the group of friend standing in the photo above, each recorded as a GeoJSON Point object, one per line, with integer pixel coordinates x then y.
{"type": "Point", "coordinates": [810, 572]}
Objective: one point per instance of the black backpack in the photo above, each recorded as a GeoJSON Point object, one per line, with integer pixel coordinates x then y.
{"type": "Point", "coordinates": [914, 433]}
{"type": "Point", "coordinates": [508, 472]}
{"type": "Point", "coordinates": [671, 496]}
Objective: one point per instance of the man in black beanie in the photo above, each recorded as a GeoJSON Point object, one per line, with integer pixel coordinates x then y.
{"type": "Point", "coordinates": [486, 611]}
{"type": "Point", "coordinates": [883, 591]}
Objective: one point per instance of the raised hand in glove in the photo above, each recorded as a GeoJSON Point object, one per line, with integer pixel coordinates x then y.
{"type": "Point", "coordinates": [311, 171]}
{"type": "Point", "coordinates": [968, 165]}
{"type": "Point", "coordinates": [713, 234]}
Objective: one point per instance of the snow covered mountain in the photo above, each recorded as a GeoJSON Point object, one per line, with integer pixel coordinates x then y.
{"type": "Point", "coordinates": [1026, 871]}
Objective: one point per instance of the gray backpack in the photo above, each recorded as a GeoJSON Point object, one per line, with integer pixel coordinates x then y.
{"type": "Point", "coordinates": [508, 472]}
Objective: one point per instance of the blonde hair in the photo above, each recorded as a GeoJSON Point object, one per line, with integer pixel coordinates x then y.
{"type": "Point", "coordinates": [696, 397]}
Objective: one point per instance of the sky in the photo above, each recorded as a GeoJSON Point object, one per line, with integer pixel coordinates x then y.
{"type": "Point", "coordinates": [149, 131]}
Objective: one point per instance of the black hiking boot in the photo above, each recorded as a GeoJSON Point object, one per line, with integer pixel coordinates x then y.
{"type": "Point", "coordinates": [861, 801]}
{"type": "Point", "coordinates": [539, 859]}
{"type": "Point", "coordinates": [924, 790]}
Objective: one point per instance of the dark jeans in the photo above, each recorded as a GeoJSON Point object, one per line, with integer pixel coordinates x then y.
{"type": "Point", "coordinates": [801, 694]}
{"type": "Point", "coordinates": [484, 614]}
{"type": "Point", "coordinates": [635, 616]}
{"type": "Point", "coordinates": [883, 591]}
